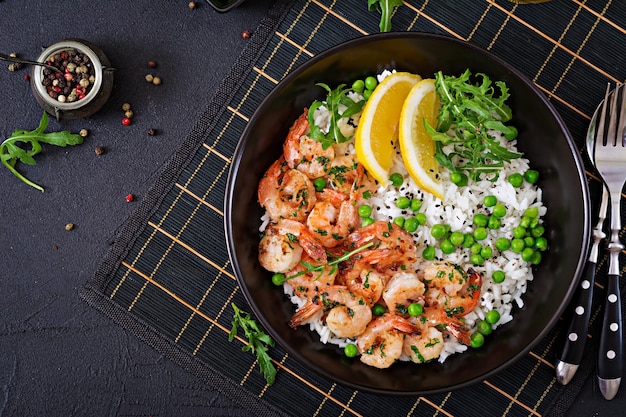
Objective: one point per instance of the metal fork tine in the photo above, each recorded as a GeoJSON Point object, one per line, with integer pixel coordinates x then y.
{"type": "Point", "coordinates": [612, 134]}
{"type": "Point", "coordinates": [621, 129]}
{"type": "Point", "coordinates": [601, 123]}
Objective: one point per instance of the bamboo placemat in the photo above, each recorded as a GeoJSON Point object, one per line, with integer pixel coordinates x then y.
{"type": "Point", "coordinates": [168, 279]}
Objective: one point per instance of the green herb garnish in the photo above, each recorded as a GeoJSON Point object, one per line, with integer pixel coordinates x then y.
{"type": "Point", "coordinates": [10, 152]}
{"type": "Point", "coordinates": [473, 110]}
{"type": "Point", "coordinates": [258, 341]}
{"type": "Point", "coordinates": [386, 8]}
{"type": "Point", "coordinates": [334, 99]}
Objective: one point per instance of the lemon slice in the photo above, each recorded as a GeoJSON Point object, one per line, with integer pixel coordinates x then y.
{"type": "Point", "coordinates": [378, 126]}
{"type": "Point", "coordinates": [416, 145]}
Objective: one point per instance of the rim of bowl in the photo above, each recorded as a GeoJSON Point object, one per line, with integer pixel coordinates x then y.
{"type": "Point", "coordinates": [234, 169]}
{"type": "Point", "coordinates": [64, 46]}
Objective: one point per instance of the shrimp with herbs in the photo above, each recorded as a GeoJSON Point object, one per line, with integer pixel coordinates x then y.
{"type": "Point", "coordinates": [306, 281]}
{"type": "Point", "coordinates": [382, 342]}
{"type": "Point", "coordinates": [403, 289]}
{"type": "Point", "coordinates": [360, 277]}
{"type": "Point", "coordinates": [451, 289]}
{"type": "Point", "coordinates": [286, 193]}
{"type": "Point", "coordinates": [332, 218]}
{"type": "Point", "coordinates": [348, 314]}
{"type": "Point", "coordinates": [305, 154]}
{"type": "Point", "coordinates": [423, 346]}
{"type": "Point", "coordinates": [283, 244]}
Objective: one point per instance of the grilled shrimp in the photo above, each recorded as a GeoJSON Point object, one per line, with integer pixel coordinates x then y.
{"type": "Point", "coordinates": [281, 247]}
{"type": "Point", "coordinates": [333, 217]}
{"type": "Point", "coordinates": [451, 289]}
{"type": "Point", "coordinates": [381, 344]}
{"type": "Point", "coordinates": [362, 278]}
{"type": "Point", "coordinates": [286, 193]}
{"type": "Point", "coordinates": [348, 314]}
{"type": "Point", "coordinates": [423, 346]}
{"type": "Point", "coordinates": [454, 326]}
{"type": "Point", "coordinates": [306, 283]}
{"type": "Point", "coordinates": [394, 247]}
{"type": "Point", "coordinates": [403, 289]}
{"type": "Point", "coordinates": [305, 154]}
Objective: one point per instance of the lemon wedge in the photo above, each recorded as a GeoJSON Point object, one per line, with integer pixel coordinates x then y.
{"type": "Point", "coordinates": [416, 145]}
{"type": "Point", "coordinates": [378, 127]}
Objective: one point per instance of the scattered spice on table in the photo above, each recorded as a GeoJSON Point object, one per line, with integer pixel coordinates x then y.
{"type": "Point", "coordinates": [149, 78]}
{"type": "Point", "coordinates": [192, 5]}
{"type": "Point", "coordinates": [152, 132]}
{"type": "Point", "coordinates": [156, 80]}
{"type": "Point", "coordinates": [84, 133]}
{"type": "Point", "coordinates": [69, 226]}
{"type": "Point", "coordinates": [99, 150]}
{"type": "Point", "coordinates": [129, 114]}
{"type": "Point", "coordinates": [130, 198]}
{"type": "Point", "coordinates": [125, 106]}
{"type": "Point", "coordinates": [152, 64]}
{"type": "Point", "coordinates": [126, 121]}
{"type": "Point", "coordinates": [246, 34]}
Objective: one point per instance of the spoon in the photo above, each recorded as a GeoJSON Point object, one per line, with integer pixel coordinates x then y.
{"type": "Point", "coordinates": [9, 58]}
{"type": "Point", "coordinates": [573, 349]}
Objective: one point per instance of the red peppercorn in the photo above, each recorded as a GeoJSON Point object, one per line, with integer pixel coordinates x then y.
{"type": "Point", "coordinates": [27, 77]}
{"type": "Point", "coordinates": [246, 34]}
{"type": "Point", "coordinates": [130, 198]}
{"type": "Point", "coordinates": [126, 121]}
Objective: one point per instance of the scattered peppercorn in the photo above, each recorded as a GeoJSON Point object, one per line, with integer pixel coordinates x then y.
{"type": "Point", "coordinates": [84, 133]}
{"type": "Point", "coordinates": [152, 64]}
{"type": "Point", "coordinates": [99, 150]}
{"type": "Point", "coordinates": [55, 247]}
{"type": "Point", "coordinates": [156, 80]}
{"type": "Point", "coordinates": [26, 77]}
{"type": "Point", "coordinates": [126, 106]}
{"type": "Point", "coordinates": [130, 198]}
{"type": "Point", "coordinates": [192, 5]}
{"type": "Point", "coordinates": [129, 114]}
{"type": "Point", "coordinates": [149, 78]}
{"type": "Point", "coordinates": [126, 121]}
{"type": "Point", "coordinates": [246, 34]}
{"type": "Point", "coordinates": [75, 79]}
{"type": "Point", "coordinates": [152, 132]}
{"type": "Point", "coordinates": [69, 226]}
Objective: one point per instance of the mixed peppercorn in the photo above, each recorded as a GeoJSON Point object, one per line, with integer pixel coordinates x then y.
{"type": "Point", "coordinates": [74, 79]}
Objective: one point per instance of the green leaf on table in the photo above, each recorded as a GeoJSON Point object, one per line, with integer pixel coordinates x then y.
{"type": "Point", "coordinates": [385, 8]}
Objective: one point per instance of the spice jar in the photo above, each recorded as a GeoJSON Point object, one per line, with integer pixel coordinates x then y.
{"type": "Point", "coordinates": [81, 87]}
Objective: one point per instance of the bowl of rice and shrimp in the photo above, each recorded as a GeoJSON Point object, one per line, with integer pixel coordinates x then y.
{"type": "Point", "coordinates": [418, 294]}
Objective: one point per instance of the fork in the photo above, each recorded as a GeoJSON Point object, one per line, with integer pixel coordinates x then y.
{"type": "Point", "coordinates": [610, 156]}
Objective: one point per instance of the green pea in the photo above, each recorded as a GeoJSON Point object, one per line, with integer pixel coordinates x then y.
{"type": "Point", "coordinates": [498, 276]}
{"type": "Point", "coordinates": [525, 222]}
{"type": "Point", "coordinates": [429, 253]}
{"type": "Point", "coordinates": [365, 210]}
{"type": "Point", "coordinates": [519, 232]}
{"type": "Point", "coordinates": [537, 231]}
{"type": "Point", "coordinates": [371, 82]}
{"type": "Point", "coordinates": [476, 259]}
{"type": "Point", "coordinates": [468, 240]}
{"type": "Point", "coordinates": [541, 243]}
{"type": "Point", "coordinates": [421, 218]}
{"type": "Point", "coordinates": [486, 252]}
{"type": "Point", "coordinates": [477, 340]}
{"type": "Point", "coordinates": [480, 233]}
{"type": "Point", "coordinates": [499, 210]}
{"type": "Point", "coordinates": [483, 327]}
{"type": "Point", "coordinates": [531, 176]}
{"type": "Point", "coordinates": [490, 200]}
{"type": "Point", "coordinates": [396, 179]}
{"type": "Point", "coordinates": [527, 254]}
{"type": "Point", "coordinates": [366, 221]}
{"type": "Point", "coordinates": [457, 238]}
{"type": "Point", "coordinates": [516, 180]}
{"type": "Point", "coordinates": [446, 246]}
{"type": "Point", "coordinates": [350, 350]}
{"type": "Point", "coordinates": [480, 220]}
{"type": "Point", "coordinates": [415, 309]}
{"type": "Point", "coordinates": [494, 223]}
{"type": "Point", "coordinates": [459, 179]}
{"type": "Point", "coordinates": [319, 184]}
{"type": "Point", "coordinates": [532, 212]}
{"type": "Point", "coordinates": [492, 316]}
{"type": "Point", "coordinates": [536, 258]}
{"type": "Point", "coordinates": [529, 241]}
{"type": "Point", "coordinates": [367, 94]}
{"type": "Point", "coordinates": [411, 224]}
{"type": "Point", "coordinates": [476, 247]}
{"type": "Point", "coordinates": [503, 244]}
{"type": "Point", "coordinates": [278, 278]}
{"type": "Point", "coordinates": [399, 221]}
{"type": "Point", "coordinates": [416, 204]}
{"type": "Point", "coordinates": [438, 231]}
{"type": "Point", "coordinates": [510, 133]}
{"type": "Point", "coordinates": [403, 202]}
{"type": "Point", "coordinates": [517, 245]}
{"type": "Point", "coordinates": [358, 86]}
{"type": "Point", "coordinates": [378, 310]}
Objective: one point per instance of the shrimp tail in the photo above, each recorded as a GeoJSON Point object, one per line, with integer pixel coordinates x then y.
{"type": "Point", "coordinates": [296, 130]}
{"type": "Point", "coordinates": [304, 313]}
{"type": "Point", "coordinates": [456, 328]}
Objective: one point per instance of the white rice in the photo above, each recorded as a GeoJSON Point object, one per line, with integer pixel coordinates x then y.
{"type": "Point", "coordinates": [462, 203]}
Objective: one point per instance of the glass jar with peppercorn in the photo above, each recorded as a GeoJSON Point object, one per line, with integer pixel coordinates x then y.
{"type": "Point", "coordinates": [81, 85]}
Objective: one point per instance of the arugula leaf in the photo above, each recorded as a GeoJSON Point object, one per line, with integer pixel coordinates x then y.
{"type": "Point", "coordinates": [258, 342]}
{"type": "Point", "coordinates": [11, 153]}
{"type": "Point", "coordinates": [474, 110]}
{"type": "Point", "coordinates": [386, 8]}
{"type": "Point", "coordinates": [334, 99]}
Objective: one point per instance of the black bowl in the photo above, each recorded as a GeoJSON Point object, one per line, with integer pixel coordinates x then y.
{"type": "Point", "coordinates": [543, 138]}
